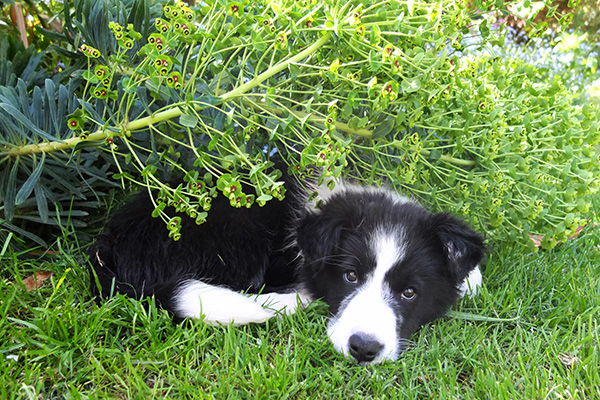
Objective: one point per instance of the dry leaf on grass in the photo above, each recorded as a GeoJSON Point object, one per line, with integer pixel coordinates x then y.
{"type": "Point", "coordinates": [36, 280]}
{"type": "Point", "coordinates": [537, 239]}
{"type": "Point", "coordinates": [568, 360]}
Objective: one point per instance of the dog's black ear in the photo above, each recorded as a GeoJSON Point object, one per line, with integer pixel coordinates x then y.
{"type": "Point", "coordinates": [463, 247]}
{"type": "Point", "coordinates": [317, 235]}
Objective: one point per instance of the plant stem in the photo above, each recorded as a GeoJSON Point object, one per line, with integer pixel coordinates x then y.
{"type": "Point", "coordinates": [166, 115]}
{"type": "Point", "coordinates": [53, 146]}
{"type": "Point", "coordinates": [362, 132]}
{"type": "Point", "coordinates": [316, 119]}
{"type": "Point", "coordinates": [277, 68]}
{"type": "Point", "coordinates": [453, 160]}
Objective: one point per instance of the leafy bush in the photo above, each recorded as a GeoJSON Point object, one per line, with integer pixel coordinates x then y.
{"type": "Point", "coordinates": [383, 92]}
{"type": "Point", "coordinates": [569, 55]}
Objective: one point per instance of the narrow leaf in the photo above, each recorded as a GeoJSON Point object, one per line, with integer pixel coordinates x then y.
{"type": "Point", "coordinates": [60, 124]}
{"type": "Point", "coordinates": [10, 189]}
{"type": "Point", "coordinates": [23, 233]}
{"type": "Point", "coordinates": [36, 111]}
{"type": "Point", "coordinates": [18, 115]}
{"type": "Point", "coordinates": [384, 128]}
{"type": "Point", "coordinates": [25, 191]}
{"type": "Point", "coordinates": [50, 92]}
{"type": "Point", "coordinates": [42, 202]}
{"type": "Point", "coordinates": [477, 317]}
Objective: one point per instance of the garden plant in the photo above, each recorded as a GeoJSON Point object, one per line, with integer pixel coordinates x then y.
{"type": "Point", "coordinates": [403, 93]}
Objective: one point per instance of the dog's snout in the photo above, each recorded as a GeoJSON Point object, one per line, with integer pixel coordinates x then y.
{"type": "Point", "coordinates": [364, 347]}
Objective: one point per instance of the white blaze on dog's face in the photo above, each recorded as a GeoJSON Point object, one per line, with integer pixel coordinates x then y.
{"type": "Point", "coordinates": [366, 325]}
{"type": "Point", "coordinates": [385, 267]}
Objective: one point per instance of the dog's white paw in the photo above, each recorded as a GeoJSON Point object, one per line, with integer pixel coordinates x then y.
{"type": "Point", "coordinates": [470, 286]}
{"type": "Point", "coordinates": [286, 303]}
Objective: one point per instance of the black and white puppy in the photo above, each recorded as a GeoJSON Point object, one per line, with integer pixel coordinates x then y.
{"type": "Point", "coordinates": [383, 264]}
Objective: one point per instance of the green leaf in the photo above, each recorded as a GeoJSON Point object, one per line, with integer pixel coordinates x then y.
{"type": "Point", "coordinates": [148, 170]}
{"type": "Point", "coordinates": [257, 168]}
{"type": "Point", "coordinates": [294, 71]}
{"type": "Point", "coordinates": [275, 132]}
{"type": "Point", "coordinates": [375, 61]}
{"type": "Point", "coordinates": [229, 116]}
{"type": "Point", "coordinates": [157, 211]}
{"type": "Point", "coordinates": [128, 85]}
{"type": "Point", "coordinates": [25, 191]}
{"type": "Point", "coordinates": [477, 317]}
{"type": "Point", "coordinates": [484, 29]}
{"type": "Point", "coordinates": [10, 189]}
{"type": "Point", "coordinates": [210, 99]}
{"type": "Point", "coordinates": [86, 144]}
{"type": "Point", "coordinates": [89, 76]}
{"type": "Point", "coordinates": [375, 35]}
{"type": "Point", "coordinates": [358, 123]}
{"type": "Point", "coordinates": [122, 175]}
{"type": "Point", "coordinates": [50, 101]}
{"type": "Point", "coordinates": [384, 128]}
{"type": "Point", "coordinates": [411, 85]}
{"type": "Point", "coordinates": [434, 155]}
{"type": "Point", "coordinates": [219, 123]}
{"type": "Point", "coordinates": [18, 116]}
{"type": "Point", "coordinates": [411, 6]}
{"type": "Point", "coordinates": [304, 119]}
{"type": "Point", "coordinates": [400, 117]}
{"type": "Point", "coordinates": [22, 232]}
{"type": "Point", "coordinates": [257, 41]}
{"type": "Point", "coordinates": [188, 120]}
{"type": "Point", "coordinates": [264, 197]}
{"type": "Point", "coordinates": [362, 122]}
{"type": "Point", "coordinates": [42, 201]}
{"type": "Point", "coordinates": [223, 181]}
{"type": "Point", "coordinates": [418, 58]}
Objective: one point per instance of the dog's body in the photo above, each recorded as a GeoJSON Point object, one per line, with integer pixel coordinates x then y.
{"type": "Point", "coordinates": [383, 264]}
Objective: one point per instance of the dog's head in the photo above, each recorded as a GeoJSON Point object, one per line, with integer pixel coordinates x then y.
{"type": "Point", "coordinates": [385, 266]}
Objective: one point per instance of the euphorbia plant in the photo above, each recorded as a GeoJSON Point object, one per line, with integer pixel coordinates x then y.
{"type": "Point", "coordinates": [383, 92]}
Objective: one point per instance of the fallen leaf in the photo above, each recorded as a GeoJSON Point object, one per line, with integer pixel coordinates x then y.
{"type": "Point", "coordinates": [568, 360]}
{"type": "Point", "coordinates": [36, 280]}
{"type": "Point", "coordinates": [537, 239]}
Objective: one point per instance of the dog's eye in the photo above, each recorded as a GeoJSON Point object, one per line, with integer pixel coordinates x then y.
{"type": "Point", "coordinates": [409, 294]}
{"type": "Point", "coordinates": [351, 276]}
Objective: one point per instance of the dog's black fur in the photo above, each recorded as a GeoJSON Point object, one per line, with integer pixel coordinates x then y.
{"type": "Point", "coordinates": [290, 244]}
{"type": "Point", "coordinates": [245, 249]}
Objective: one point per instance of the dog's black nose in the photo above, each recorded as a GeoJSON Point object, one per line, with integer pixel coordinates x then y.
{"type": "Point", "coordinates": [364, 347]}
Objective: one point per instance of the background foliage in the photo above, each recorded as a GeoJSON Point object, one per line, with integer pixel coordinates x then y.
{"type": "Point", "coordinates": [417, 95]}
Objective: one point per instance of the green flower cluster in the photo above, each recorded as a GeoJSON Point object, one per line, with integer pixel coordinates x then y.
{"type": "Point", "coordinates": [124, 37]}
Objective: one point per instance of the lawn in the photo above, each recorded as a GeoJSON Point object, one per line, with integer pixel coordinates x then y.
{"type": "Point", "coordinates": [542, 344]}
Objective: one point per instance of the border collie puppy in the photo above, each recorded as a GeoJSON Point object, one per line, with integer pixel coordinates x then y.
{"type": "Point", "coordinates": [383, 264]}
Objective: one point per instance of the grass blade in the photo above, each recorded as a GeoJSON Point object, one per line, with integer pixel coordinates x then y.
{"type": "Point", "coordinates": [476, 317]}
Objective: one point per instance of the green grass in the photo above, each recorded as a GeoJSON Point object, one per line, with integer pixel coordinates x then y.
{"type": "Point", "coordinates": [68, 347]}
